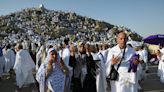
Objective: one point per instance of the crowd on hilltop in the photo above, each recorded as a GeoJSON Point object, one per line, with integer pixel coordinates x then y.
{"type": "Point", "coordinates": [42, 24]}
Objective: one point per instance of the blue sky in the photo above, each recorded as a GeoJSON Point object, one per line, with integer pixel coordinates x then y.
{"type": "Point", "coordinates": [146, 17]}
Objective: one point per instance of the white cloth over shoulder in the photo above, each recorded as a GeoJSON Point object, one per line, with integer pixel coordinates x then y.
{"type": "Point", "coordinates": [105, 54]}
{"type": "Point", "coordinates": [24, 65]}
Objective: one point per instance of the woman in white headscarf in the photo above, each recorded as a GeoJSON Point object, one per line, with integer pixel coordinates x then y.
{"type": "Point", "coordinates": [50, 75]}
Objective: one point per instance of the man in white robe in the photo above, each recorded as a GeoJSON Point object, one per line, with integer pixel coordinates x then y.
{"type": "Point", "coordinates": [24, 67]}
{"type": "Point", "coordinates": [145, 54]}
{"type": "Point", "coordinates": [101, 83]}
{"type": "Point", "coordinates": [65, 55]}
{"type": "Point", "coordinates": [162, 68]}
{"type": "Point", "coordinates": [2, 62]}
{"type": "Point", "coordinates": [143, 67]}
{"type": "Point", "coordinates": [144, 57]}
{"type": "Point", "coordinates": [161, 65]}
{"type": "Point", "coordinates": [101, 77]}
{"type": "Point", "coordinates": [127, 82]}
{"type": "Point", "coordinates": [26, 44]}
{"type": "Point", "coordinates": [104, 51]}
{"type": "Point", "coordinates": [9, 58]}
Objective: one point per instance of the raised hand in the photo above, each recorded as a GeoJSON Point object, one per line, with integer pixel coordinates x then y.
{"type": "Point", "coordinates": [115, 60]}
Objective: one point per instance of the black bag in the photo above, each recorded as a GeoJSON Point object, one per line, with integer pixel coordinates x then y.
{"type": "Point", "coordinates": [113, 74]}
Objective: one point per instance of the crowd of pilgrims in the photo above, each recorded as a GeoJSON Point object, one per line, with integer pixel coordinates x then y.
{"type": "Point", "coordinates": [70, 67]}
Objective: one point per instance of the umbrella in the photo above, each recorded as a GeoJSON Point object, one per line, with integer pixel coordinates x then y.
{"type": "Point", "coordinates": [155, 39]}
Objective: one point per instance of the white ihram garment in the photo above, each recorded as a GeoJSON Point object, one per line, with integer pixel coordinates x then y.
{"type": "Point", "coordinates": [10, 60]}
{"type": "Point", "coordinates": [127, 82]}
{"type": "Point", "coordinates": [65, 54]}
{"type": "Point", "coordinates": [161, 68]}
{"type": "Point", "coordinates": [23, 67]}
{"type": "Point", "coordinates": [160, 65]}
{"type": "Point", "coordinates": [101, 83]}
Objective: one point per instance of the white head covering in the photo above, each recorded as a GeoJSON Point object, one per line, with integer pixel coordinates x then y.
{"type": "Point", "coordinates": [40, 76]}
{"type": "Point", "coordinates": [51, 50]}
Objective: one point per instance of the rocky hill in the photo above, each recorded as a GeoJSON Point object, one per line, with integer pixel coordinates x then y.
{"type": "Point", "coordinates": [54, 24]}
